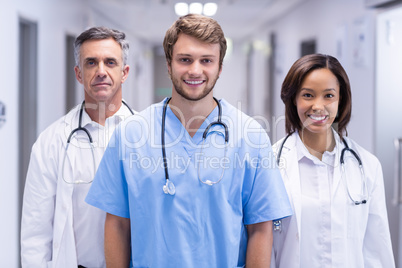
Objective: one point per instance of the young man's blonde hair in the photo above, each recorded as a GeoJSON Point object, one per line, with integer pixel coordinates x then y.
{"type": "Point", "coordinates": [201, 27]}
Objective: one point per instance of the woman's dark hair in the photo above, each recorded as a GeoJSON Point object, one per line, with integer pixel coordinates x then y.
{"type": "Point", "coordinates": [293, 82]}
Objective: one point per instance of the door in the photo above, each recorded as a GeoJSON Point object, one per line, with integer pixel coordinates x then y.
{"type": "Point", "coordinates": [388, 125]}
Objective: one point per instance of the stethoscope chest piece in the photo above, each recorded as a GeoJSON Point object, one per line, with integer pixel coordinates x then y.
{"type": "Point", "coordinates": [169, 188]}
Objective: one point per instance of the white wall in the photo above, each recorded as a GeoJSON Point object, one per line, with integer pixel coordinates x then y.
{"type": "Point", "coordinates": [8, 143]}
{"type": "Point", "coordinates": [231, 84]}
{"type": "Point", "coordinates": [51, 20]}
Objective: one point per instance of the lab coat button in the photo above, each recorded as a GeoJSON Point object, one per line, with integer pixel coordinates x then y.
{"type": "Point", "coordinates": [297, 236]}
{"type": "Point", "coordinates": [56, 245]}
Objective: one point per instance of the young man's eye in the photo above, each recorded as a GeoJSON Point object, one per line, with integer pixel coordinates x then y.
{"type": "Point", "coordinates": [185, 60]}
{"type": "Point", "coordinates": [207, 60]}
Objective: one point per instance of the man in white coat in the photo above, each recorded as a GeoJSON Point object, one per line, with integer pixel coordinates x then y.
{"type": "Point", "coordinates": [58, 228]}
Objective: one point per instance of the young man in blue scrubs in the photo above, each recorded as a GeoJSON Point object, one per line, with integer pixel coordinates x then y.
{"type": "Point", "coordinates": [209, 202]}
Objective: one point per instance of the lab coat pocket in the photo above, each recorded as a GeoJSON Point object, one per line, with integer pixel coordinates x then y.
{"type": "Point", "coordinates": [357, 214]}
{"type": "Point", "coordinates": [357, 220]}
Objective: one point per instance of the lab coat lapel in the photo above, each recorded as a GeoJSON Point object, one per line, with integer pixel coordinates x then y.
{"type": "Point", "coordinates": [292, 178]}
{"type": "Point", "coordinates": [63, 208]}
{"type": "Point", "coordinates": [337, 167]}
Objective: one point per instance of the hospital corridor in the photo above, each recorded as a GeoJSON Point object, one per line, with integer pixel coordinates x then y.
{"type": "Point", "coordinates": [264, 39]}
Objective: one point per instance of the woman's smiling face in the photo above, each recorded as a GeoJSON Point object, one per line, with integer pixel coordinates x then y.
{"type": "Point", "coordinates": [317, 101]}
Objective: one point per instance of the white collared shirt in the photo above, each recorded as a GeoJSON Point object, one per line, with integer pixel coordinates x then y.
{"type": "Point", "coordinates": [89, 221]}
{"type": "Point", "coordinates": [316, 178]}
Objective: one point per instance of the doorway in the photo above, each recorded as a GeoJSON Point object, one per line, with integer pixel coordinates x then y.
{"type": "Point", "coordinates": [27, 128]}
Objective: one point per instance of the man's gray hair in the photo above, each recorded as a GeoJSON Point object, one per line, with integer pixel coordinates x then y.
{"type": "Point", "coordinates": [100, 33]}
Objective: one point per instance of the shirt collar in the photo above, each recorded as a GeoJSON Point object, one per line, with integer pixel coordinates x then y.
{"type": "Point", "coordinates": [328, 157]}
{"type": "Point", "coordinates": [116, 118]}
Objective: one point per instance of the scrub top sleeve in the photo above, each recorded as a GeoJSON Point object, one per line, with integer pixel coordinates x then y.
{"type": "Point", "coordinates": [108, 191]}
{"type": "Point", "coordinates": [268, 198]}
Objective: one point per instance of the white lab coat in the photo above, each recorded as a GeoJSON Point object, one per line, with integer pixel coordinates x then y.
{"type": "Point", "coordinates": [360, 233]}
{"type": "Point", "coordinates": [47, 234]}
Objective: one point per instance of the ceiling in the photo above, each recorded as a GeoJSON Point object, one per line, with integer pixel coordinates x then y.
{"type": "Point", "coordinates": [148, 20]}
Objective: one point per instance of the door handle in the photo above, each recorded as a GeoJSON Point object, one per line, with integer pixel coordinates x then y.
{"type": "Point", "coordinates": [397, 172]}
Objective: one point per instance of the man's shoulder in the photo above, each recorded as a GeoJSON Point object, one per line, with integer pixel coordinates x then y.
{"type": "Point", "coordinates": [143, 116]}
{"type": "Point", "coordinates": [60, 127]}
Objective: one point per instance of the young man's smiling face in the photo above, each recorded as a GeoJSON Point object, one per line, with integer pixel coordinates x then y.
{"type": "Point", "coordinates": [194, 69]}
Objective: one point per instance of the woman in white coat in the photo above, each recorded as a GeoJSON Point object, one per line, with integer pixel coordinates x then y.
{"type": "Point", "coordinates": [340, 217]}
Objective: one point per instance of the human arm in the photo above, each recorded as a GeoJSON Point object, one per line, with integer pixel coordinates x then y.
{"type": "Point", "coordinates": [259, 245]}
{"type": "Point", "coordinates": [39, 206]}
{"type": "Point", "coordinates": [117, 241]}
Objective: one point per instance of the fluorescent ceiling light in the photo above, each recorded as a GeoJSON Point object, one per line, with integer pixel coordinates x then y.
{"type": "Point", "coordinates": [181, 9]}
{"type": "Point", "coordinates": [210, 9]}
{"type": "Point", "coordinates": [196, 8]}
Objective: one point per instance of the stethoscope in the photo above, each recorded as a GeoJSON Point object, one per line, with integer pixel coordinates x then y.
{"type": "Point", "coordinates": [81, 128]}
{"type": "Point", "coordinates": [169, 187]}
{"type": "Point", "coordinates": [363, 191]}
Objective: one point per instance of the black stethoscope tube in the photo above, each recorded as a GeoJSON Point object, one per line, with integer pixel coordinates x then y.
{"type": "Point", "coordinates": [342, 161]}
{"type": "Point", "coordinates": [84, 129]}
{"type": "Point", "coordinates": [169, 188]}
{"type": "Point", "coordinates": [90, 142]}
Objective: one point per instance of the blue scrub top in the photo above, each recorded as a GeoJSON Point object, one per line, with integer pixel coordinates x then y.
{"type": "Point", "coordinates": [201, 225]}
